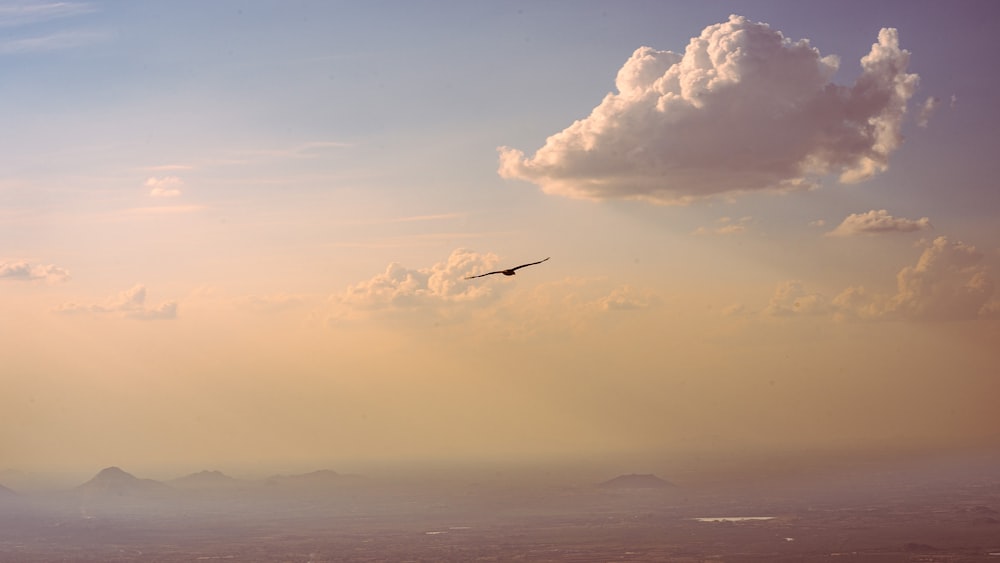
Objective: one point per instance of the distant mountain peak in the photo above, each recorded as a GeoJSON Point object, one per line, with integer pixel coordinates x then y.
{"type": "Point", "coordinates": [113, 473]}
{"type": "Point", "coordinates": [117, 482]}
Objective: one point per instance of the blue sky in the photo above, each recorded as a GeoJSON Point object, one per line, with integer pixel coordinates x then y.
{"type": "Point", "coordinates": [305, 185]}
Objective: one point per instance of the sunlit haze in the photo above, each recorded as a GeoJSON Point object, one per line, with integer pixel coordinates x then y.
{"type": "Point", "coordinates": [235, 235]}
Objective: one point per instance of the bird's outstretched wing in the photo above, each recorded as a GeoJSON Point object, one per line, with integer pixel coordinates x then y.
{"type": "Point", "coordinates": [486, 274]}
{"type": "Point", "coordinates": [529, 264]}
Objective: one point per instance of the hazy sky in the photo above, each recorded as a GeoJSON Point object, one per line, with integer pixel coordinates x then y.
{"type": "Point", "coordinates": [235, 233]}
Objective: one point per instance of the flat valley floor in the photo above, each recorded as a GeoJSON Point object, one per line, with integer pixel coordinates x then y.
{"type": "Point", "coordinates": [932, 516]}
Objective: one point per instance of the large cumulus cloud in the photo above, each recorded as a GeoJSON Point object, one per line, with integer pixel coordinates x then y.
{"type": "Point", "coordinates": [743, 109]}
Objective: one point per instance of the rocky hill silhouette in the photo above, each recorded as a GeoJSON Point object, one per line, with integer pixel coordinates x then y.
{"type": "Point", "coordinates": [113, 482]}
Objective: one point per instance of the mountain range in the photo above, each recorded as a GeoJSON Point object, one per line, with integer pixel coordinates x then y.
{"type": "Point", "coordinates": [115, 482]}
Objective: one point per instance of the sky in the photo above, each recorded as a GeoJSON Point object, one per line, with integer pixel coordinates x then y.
{"type": "Point", "coordinates": [236, 234]}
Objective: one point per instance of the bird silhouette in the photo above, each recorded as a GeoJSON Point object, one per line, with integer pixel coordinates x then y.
{"type": "Point", "coordinates": [509, 271]}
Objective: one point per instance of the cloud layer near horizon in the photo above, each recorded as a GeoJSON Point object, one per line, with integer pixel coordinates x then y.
{"type": "Point", "coordinates": [949, 282]}
{"type": "Point", "coordinates": [743, 109]}
{"type": "Point", "coordinates": [502, 307]}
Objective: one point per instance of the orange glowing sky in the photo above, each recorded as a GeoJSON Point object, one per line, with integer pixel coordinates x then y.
{"type": "Point", "coordinates": [237, 233]}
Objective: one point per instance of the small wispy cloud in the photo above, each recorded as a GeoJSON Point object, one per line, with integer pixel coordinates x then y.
{"type": "Point", "coordinates": [166, 186]}
{"type": "Point", "coordinates": [52, 42]}
{"type": "Point", "coordinates": [725, 226]}
{"type": "Point", "coordinates": [927, 110]}
{"type": "Point", "coordinates": [165, 209]}
{"type": "Point", "coordinates": [437, 217]}
{"type": "Point", "coordinates": [626, 298]}
{"type": "Point", "coordinates": [877, 222]}
{"type": "Point", "coordinates": [24, 13]}
{"type": "Point", "coordinates": [409, 241]}
{"type": "Point", "coordinates": [130, 303]}
{"type": "Point", "coordinates": [310, 149]}
{"type": "Point", "coordinates": [168, 167]}
{"type": "Point", "coordinates": [322, 145]}
{"type": "Point", "coordinates": [25, 271]}
{"type": "Point", "coordinates": [407, 219]}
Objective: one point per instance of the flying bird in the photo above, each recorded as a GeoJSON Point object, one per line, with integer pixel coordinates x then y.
{"type": "Point", "coordinates": [509, 271]}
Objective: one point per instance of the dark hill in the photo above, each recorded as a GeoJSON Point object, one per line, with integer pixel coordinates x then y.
{"type": "Point", "coordinates": [636, 481]}
{"type": "Point", "coordinates": [112, 482]}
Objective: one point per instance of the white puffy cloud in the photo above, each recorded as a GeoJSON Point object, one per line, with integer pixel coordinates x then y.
{"type": "Point", "coordinates": [26, 271]}
{"type": "Point", "coordinates": [130, 303]}
{"type": "Point", "coordinates": [743, 109]}
{"type": "Point", "coordinates": [399, 287]}
{"type": "Point", "coordinates": [167, 186]}
{"type": "Point", "coordinates": [878, 222]}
